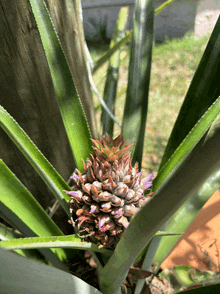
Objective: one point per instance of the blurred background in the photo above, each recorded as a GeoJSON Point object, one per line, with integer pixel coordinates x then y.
{"type": "Point", "coordinates": [180, 17]}
{"type": "Point", "coordinates": [182, 30]}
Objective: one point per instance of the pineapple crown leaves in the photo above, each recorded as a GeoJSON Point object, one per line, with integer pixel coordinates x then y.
{"type": "Point", "coordinates": [110, 149]}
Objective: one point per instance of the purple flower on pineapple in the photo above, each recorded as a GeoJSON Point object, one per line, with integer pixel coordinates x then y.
{"type": "Point", "coordinates": [147, 182]}
{"type": "Point", "coordinates": [72, 193]}
{"type": "Point", "coordinates": [75, 177]}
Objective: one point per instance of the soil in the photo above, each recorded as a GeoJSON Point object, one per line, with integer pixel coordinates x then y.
{"type": "Point", "coordinates": [199, 246]}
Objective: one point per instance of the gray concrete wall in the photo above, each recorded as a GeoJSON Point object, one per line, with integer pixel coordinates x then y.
{"type": "Point", "coordinates": [178, 18]}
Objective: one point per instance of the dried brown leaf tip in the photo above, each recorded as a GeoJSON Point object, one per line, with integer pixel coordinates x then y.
{"type": "Point", "coordinates": [105, 197]}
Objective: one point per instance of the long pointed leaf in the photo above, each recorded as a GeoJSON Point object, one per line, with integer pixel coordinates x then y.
{"type": "Point", "coordinates": [191, 139]}
{"type": "Point", "coordinates": [70, 241]}
{"type": "Point", "coordinates": [174, 191]}
{"type": "Point", "coordinates": [113, 73]}
{"type": "Point", "coordinates": [12, 219]}
{"type": "Point", "coordinates": [136, 105]}
{"type": "Point", "coordinates": [69, 103]}
{"type": "Point", "coordinates": [47, 172]}
{"type": "Point", "coordinates": [203, 91]}
{"type": "Point", "coordinates": [9, 234]}
{"type": "Point", "coordinates": [160, 248]}
{"type": "Point", "coordinates": [19, 200]}
{"type": "Point", "coordinates": [21, 275]}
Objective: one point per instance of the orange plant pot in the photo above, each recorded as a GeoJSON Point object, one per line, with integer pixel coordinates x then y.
{"type": "Point", "coordinates": [199, 246]}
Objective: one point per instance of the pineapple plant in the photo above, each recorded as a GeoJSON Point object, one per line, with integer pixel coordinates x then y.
{"type": "Point", "coordinates": [105, 197]}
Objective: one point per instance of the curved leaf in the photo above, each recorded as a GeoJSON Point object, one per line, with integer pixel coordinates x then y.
{"type": "Point", "coordinates": [70, 241]}
{"type": "Point", "coordinates": [42, 166]}
{"type": "Point", "coordinates": [191, 139]}
{"type": "Point", "coordinates": [68, 100]}
{"type": "Point", "coordinates": [203, 91]}
{"type": "Point", "coordinates": [9, 234]}
{"type": "Point", "coordinates": [174, 191]}
{"type": "Point", "coordinates": [22, 275]}
{"type": "Point", "coordinates": [12, 219]}
{"type": "Point", "coordinates": [19, 200]}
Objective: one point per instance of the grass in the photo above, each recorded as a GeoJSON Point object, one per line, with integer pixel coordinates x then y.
{"type": "Point", "coordinates": [173, 66]}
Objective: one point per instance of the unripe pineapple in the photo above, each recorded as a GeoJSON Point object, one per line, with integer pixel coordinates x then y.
{"type": "Point", "coordinates": [109, 192]}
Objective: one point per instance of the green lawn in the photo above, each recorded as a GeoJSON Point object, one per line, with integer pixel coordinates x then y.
{"type": "Point", "coordinates": [174, 64]}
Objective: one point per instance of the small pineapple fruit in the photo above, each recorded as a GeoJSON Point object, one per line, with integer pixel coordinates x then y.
{"type": "Point", "coordinates": [109, 192]}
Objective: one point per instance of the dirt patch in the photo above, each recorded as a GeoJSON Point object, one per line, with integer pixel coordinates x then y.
{"type": "Point", "coordinates": [199, 247]}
